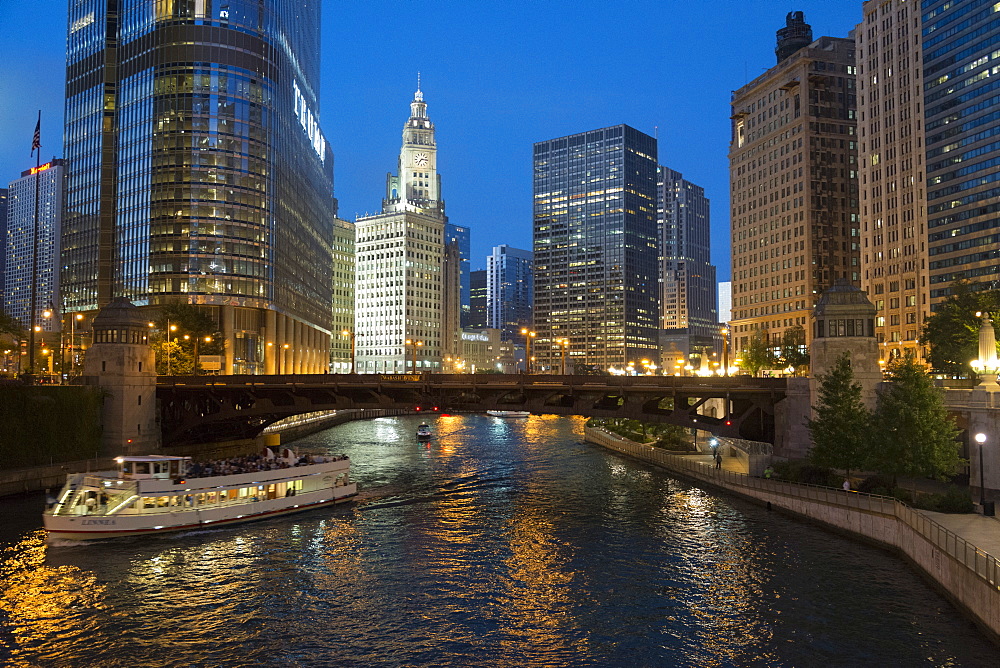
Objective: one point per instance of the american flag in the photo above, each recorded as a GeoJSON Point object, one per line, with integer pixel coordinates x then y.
{"type": "Point", "coordinates": [36, 141]}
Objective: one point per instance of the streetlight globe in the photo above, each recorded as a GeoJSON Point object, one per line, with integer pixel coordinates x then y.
{"type": "Point", "coordinates": [980, 438]}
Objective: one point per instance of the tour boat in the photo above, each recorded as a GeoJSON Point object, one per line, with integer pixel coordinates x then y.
{"type": "Point", "coordinates": [508, 413]}
{"type": "Point", "coordinates": [424, 432]}
{"type": "Point", "coordinates": [159, 494]}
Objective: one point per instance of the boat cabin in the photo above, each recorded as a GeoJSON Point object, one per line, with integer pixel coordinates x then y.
{"type": "Point", "coordinates": [159, 467]}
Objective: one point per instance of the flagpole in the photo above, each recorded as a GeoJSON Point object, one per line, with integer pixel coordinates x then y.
{"type": "Point", "coordinates": [36, 142]}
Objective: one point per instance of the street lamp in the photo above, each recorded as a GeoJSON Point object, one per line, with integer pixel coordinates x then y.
{"type": "Point", "coordinates": [981, 440]}
{"type": "Point", "coordinates": [414, 344]}
{"type": "Point", "coordinates": [528, 335]}
{"type": "Point", "coordinates": [563, 344]}
{"type": "Point", "coordinates": [350, 334]}
{"type": "Point", "coordinates": [725, 350]}
{"type": "Point", "coordinates": [72, 340]}
{"type": "Point", "coordinates": [170, 328]}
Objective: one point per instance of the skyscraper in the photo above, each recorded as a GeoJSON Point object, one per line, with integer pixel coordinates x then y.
{"type": "Point", "coordinates": [400, 309]}
{"type": "Point", "coordinates": [509, 290]}
{"type": "Point", "coordinates": [595, 247]}
{"type": "Point", "coordinates": [477, 299]}
{"type": "Point", "coordinates": [459, 236]}
{"type": "Point", "coordinates": [198, 173]}
{"type": "Point", "coordinates": [793, 188]}
{"type": "Point", "coordinates": [29, 278]}
{"type": "Point", "coordinates": [3, 241]}
{"type": "Point", "coordinates": [961, 57]}
{"type": "Point", "coordinates": [341, 344]}
{"type": "Point", "coordinates": [687, 275]}
{"type": "Point", "coordinates": [891, 168]}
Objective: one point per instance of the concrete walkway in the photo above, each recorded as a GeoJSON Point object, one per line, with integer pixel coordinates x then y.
{"type": "Point", "coordinates": [983, 532]}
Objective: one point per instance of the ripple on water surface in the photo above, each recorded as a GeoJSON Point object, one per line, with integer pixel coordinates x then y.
{"type": "Point", "coordinates": [501, 543]}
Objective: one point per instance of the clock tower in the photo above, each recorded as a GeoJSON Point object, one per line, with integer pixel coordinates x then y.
{"type": "Point", "coordinates": [416, 186]}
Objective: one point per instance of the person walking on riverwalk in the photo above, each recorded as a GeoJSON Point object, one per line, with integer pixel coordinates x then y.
{"type": "Point", "coordinates": [847, 485]}
{"type": "Point", "coordinates": [718, 459]}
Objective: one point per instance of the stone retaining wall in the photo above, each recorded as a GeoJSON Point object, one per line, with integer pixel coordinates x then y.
{"type": "Point", "coordinates": [966, 575]}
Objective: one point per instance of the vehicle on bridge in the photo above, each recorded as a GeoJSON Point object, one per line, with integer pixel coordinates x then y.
{"type": "Point", "coordinates": [160, 494]}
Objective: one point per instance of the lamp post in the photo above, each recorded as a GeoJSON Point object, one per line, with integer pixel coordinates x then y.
{"type": "Point", "coordinates": [725, 350]}
{"type": "Point", "coordinates": [348, 333]}
{"type": "Point", "coordinates": [72, 340]}
{"type": "Point", "coordinates": [981, 440]}
{"type": "Point", "coordinates": [528, 335]}
{"type": "Point", "coordinates": [563, 344]}
{"type": "Point", "coordinates": [414, 344]}
{"type": "Point", "coordinates": [170, 328]}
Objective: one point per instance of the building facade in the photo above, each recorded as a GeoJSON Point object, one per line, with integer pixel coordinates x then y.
{"type": "Point", "coordinates": [961, 61]}
{"type": "Point", "coordinates": [460, 237]}
{"type": "Point", "coordinates": [477, 299]}
{"type": "Point", "coordinates": [793, 192]}
{"type": "Point", "coordinates": [509, 290]}
{"type": "Point", "coordinates": [595, 248]}
{"type": "Point", "coordinates": [29, 277]}
{"type": "Point", "coordinates": [687, 275]}
{"type": "Point", "coordinates": [198, 173]}
{"type": "Point", "coordinates": [891, 174]}
{"type": "Point", "coordinates": [343, 339]}
{"type": "Point", "coordinates": [400, 314]}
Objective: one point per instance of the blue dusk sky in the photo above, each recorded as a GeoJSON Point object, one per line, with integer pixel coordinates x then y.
{"type": "Point", "coordinates": [497, 77]}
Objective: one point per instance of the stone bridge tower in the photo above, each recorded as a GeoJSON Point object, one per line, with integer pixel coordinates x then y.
{"type": "Point", "coordinates": [122, 363]}
{"type": "Point", "coordinates": [844, 321]}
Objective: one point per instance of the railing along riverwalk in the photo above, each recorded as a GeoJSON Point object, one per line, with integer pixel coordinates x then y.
{"type": "Point", "coordinates": [976, 560]}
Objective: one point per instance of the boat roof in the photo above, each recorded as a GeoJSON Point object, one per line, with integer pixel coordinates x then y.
{"type": "Point", "coordinates": [151, 458]}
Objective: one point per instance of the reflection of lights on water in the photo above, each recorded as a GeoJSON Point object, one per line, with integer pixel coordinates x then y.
{"type": "Point", "coordinates": [42, 601]}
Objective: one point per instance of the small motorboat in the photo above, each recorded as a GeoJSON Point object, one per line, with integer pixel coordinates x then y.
{"type": "Point", "coordinates": [509, 414]}
{"type": "Point", "coordinates": [424, 432]}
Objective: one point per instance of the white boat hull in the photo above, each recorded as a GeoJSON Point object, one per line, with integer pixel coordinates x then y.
{"type": "Point", "coordinates": [150, 506]}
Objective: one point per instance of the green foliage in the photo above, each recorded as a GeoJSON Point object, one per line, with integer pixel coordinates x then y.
{"type": "Point", "coordinates": [48, 424]}
{"type": "Point", "coordinates": [794, 352]}
{"type": "Point", "coordinates": [843, 422]}
{"type": "Point", "coordinates": [10, 325]}
{"type": "Point", "coordinates": [186, 327]}
{"type": "Point", "coordinates": [913, 436]}
{"type": "Point", "coordinates": [807, 473]}
{"type": "Point", "coordinates": [662, 435]}
{"type": "Point", "coordinates": [954, 500]}
{"type": "Point", "coordinates": [757, 355]}
{"type": "Point", "coordinates": [953, 331]}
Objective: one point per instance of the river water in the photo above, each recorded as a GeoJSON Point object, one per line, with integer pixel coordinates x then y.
{"type": "Point", "coordinates": [500, 543]}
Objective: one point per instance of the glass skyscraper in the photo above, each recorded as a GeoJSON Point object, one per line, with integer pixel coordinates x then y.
{"type": "Point", "coordinates": [509, 291]}
{"type": "Point", "coordinates": [32, 254]}
{"type": "Point", "coordinates": [961, 57]}
{"type": "Point", "coordinates": [197, 171]}
{"type": "Point", "coordinates": [595, 247]}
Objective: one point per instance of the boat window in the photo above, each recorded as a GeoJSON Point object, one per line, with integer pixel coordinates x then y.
{"type": "Point", "coordinates": [142, 467]}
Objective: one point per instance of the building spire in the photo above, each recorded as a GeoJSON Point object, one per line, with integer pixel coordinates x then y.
{"type": "Point", "coordinates": [419, 95]}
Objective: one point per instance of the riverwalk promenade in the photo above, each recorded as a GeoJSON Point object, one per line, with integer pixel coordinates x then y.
{"type": "Point", "coordinates": [955, 552]}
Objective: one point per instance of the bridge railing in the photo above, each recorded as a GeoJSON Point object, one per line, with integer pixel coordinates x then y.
{"type": "Point", "coordinates": [983, 564]}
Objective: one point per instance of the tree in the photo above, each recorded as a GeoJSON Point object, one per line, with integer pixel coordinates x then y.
{"type": "Point", "coordinates": [176, 322]}
{"type": "Point", "coordinates": [793, 348]}
{"type": "Point", "coordinates": [757, 355]}
{"type": "Point", "coordinates": [953, 331]}
{"type": "Point", "coordinates": [843, 422]}
{"type": "Point", "coordinates": [913, 434]}
{"type": "Point", "coordinates": [10, 325]}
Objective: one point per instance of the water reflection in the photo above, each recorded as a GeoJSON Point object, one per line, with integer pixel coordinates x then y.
{"type": "Point", "coordinates": [507, 542]}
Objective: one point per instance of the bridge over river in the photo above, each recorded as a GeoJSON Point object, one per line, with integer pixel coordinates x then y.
{"type": "Point", "coordinates": [198, 409]}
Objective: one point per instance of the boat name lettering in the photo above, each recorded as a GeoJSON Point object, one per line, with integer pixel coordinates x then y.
{"type": "Point", "coordinates": [101, 522]}
{"type": "Point", "coordinates": [410, 378]}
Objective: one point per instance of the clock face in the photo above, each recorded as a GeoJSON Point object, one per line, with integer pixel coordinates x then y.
{"type": "Point", "coordinates": [420, 159]}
